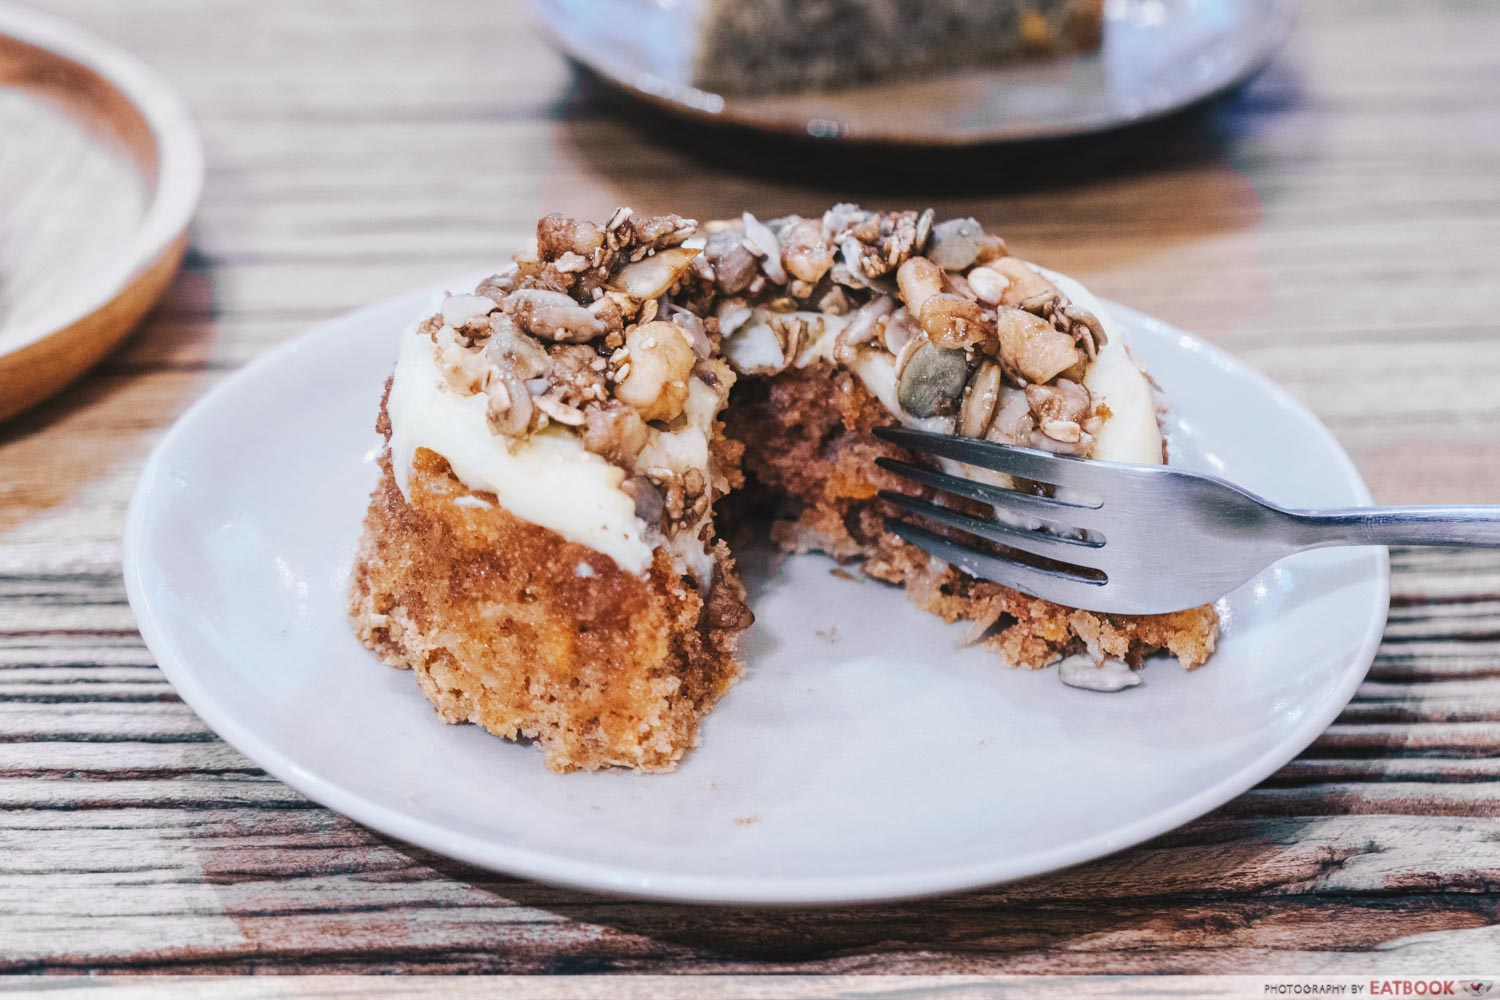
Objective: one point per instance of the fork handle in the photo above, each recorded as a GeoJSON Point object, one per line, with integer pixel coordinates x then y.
{"type": "Point", "coordinates": [1469, 526]}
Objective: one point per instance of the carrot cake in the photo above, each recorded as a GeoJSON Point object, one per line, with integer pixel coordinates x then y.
{"type": "Point", "coordinates": [542, 548]}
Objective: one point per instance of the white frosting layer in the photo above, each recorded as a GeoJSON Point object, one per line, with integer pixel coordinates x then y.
{"type": "Point", "coordinates": [551, 480]}
{"type": "Point", "coordinates": [1131, 434]}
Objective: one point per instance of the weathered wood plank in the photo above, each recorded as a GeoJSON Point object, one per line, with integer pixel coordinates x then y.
{"type": "Point", "coordinates": [1337, 225]}
{"type": "Point", "coordinates": [273, 875]}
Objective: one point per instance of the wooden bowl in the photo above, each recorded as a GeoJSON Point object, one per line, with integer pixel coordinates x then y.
{"type": "Point", "coordinates": [95, 199]}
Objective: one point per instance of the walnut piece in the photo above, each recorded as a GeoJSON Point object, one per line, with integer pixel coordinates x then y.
{"type": "Point", "coordinates": [660, 358]}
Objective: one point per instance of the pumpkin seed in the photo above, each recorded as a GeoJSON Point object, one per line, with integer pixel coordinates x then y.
{"type": "Point", "coordinates": [931, 383]}
{"type": "Point", "coordinates": [955, 244]}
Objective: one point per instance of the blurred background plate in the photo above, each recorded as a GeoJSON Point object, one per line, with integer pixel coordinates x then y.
{"type": "Point", "coordinates": [100, 172]}
{"type": "Point", "coordinates": [1158, 56]}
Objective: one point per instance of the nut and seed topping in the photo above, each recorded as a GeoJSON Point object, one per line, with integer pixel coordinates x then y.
{"type": "Point", "coordinates": [655, 377]}
{"type": "Point", "coordinates": [954, 322]}
{"type": "Point", "coordinates": [611, 329]}
{"type": "Point", "coordinates": [918, 280]}
{"type": "Point", "coordinates": [1033, 347]}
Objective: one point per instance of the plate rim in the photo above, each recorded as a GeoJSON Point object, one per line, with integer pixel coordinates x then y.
{"type": "Point", "coordinates": [706, 107]}
{"type": "Point", "coordinates": [700, 889]}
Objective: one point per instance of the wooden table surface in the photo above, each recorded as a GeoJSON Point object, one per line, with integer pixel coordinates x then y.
{"type": "Point", "coordinates": [1336, 224]}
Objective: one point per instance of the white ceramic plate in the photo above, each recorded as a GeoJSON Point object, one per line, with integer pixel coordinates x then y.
{"type": "Point", "coordinates": [864, 755]}
{"type": "Point", "coordinates": [1158, 56]}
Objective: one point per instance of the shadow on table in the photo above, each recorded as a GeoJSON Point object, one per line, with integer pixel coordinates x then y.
{"type": "Point", "coordinates": [1205, 886]}
{"type": "Point", "coordinates": [616, 134]}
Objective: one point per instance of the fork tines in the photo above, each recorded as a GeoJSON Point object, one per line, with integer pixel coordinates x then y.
{"type": "Point", "coordinates": [1061, 564]}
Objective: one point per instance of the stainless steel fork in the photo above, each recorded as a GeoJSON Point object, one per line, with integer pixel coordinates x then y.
{"type": "Point", "coordinates": [1136, 539]}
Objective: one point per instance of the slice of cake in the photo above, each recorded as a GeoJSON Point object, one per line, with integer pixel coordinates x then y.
{"type": "Point", "coordinates": [542, 550]}
{"type": "Point", "coordinates": [761, 46]}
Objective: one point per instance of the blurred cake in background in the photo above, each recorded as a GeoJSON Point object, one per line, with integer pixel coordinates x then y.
{"type": "Point", "coordinates": [763, 46]}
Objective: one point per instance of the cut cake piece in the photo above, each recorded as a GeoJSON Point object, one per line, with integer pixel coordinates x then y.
{"type": "Point", "coordinates": [542, 547]}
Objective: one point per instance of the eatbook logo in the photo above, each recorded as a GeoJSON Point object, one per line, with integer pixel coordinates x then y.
{"type": "Point", "coordinates": [1477, 987]}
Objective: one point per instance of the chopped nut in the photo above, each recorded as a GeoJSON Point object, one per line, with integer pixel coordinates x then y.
{"type": "Point", "coordinates": [763, 244]}
{"type": "Point", "coordinates": [1034, 347]}
{"type": "Point", "coordinates": [953, 322]}
{"type": "Point", "coordinates": [616, 432]}
{"type": "Point", "coordinates": [1012, 423]}
{"type": "Point", "coordinates": [571, 263]}
{"type": "Point", "coordinates": [1026, 288]}
{"type": "Point", "coordinates": [864, 325]}
{"type": "Point", "coordinates": [1064, 400]}
{"type": "Point", "coordinates": [552, 315]}
{"type": "Point", "coordinates": [462, 368]}
{"type": "Point", "coordinates": [607, 311]}
{"type": "Point", "coordinates": [513, 353]}
{"type": "Point", "coordinates": [987, 284]}
{"type": "Point", "coordinates": [804, 253]}
{"type": "Point", "coordinates": [497, 286]}
{"type": "Point", "coordinates": [693, 482]}
{"type": "Point", "coordinates": [958, 285]}
{"type": "Point", "coordinates": [559, 411]}
{"type": "Point", "coordinates": [508, 410]}
{"type": "Point", "coordinates": [661, 359]}
{"type": "Point", "coordinates": [651, 276]}
{"type": "Point", "coordinates": [716, 374]}
{"type": "Point", "coordinates": [734, 264]}
{"type": "Point", "coordinates": [661, 231]}
{"type": "Point", "coordinates": [923, 230]}
{"type": "Point", "coordinates": [842, 218]}
{"type": "Point", "coordinates": [1085, 326]}
{"type": "Point", "coordinates": [1065, 431]}
{"type": "Point", "coordinates": [697, 334]}
{"type": "Point", "coordinates": [458, 310]}
{"type": "Point", "coordinates": [791, 335]}
{"type": "Point", "coordinates": [918, 279]}
{"type": "Point", "coordinates": [558, 236]}
{"type": "Point", "coordinates": [572, 378]}
{"type": "Point", "coordinates": [835, 302]}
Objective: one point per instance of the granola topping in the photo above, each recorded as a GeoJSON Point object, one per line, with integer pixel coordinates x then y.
{"type": "Point", "coordinates": [617, 335]}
